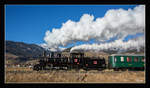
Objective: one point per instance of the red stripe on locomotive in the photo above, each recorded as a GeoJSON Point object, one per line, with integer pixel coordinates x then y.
{"type": "Point", "coordinates": [94, 62]}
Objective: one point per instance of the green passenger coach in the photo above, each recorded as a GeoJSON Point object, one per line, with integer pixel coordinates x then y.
{"type": "Point", "coordinates": [123, 62]}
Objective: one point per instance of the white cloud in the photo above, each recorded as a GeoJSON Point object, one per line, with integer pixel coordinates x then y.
{"type": "Point", "coordinates": [116, 22]}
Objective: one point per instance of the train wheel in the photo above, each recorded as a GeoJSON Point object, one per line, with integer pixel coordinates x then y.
{"type": "Point", "coordinates": [36, 68]}
{"type": "Point", "coordinates": [116, 69]}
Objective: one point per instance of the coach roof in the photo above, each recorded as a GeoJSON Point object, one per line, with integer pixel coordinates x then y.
{"type": "Point", "coordinates": [127, 55]}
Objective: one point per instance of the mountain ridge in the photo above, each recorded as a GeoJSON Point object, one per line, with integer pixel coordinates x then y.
{"type": "Point", "coordinates": [23, 49]}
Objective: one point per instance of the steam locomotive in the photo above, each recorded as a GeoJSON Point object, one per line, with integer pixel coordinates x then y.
{"type": "Point", "coordinates": [77, 61]}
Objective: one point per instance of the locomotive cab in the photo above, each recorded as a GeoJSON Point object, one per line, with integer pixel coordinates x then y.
{"type": "Point", "coordinates": [76, 60]}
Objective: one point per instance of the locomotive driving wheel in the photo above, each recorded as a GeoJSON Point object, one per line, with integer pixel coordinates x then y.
{"type": "Point", "coordinates": [37, 67]}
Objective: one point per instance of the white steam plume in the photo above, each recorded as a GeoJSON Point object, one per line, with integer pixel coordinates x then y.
{"type": "Point", "coordinates": [116, 22]}
{"type": "Point", "coordinates": [117, 45]}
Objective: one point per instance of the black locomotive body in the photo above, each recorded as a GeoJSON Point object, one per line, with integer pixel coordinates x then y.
{"type": "Point", "coordinates": [76, 60]}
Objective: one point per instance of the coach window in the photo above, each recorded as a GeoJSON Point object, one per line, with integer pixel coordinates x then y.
{"type": "Point", "coordinates": [143, 60]}
{"type": "Point", "coordinates": [115, 59]}
{"type": "Point", "coordinates": [128, 59]}
{"type": "Point", "coordinates": [122, 59]}
{"type": "Point", "coordinates": [135, 59]}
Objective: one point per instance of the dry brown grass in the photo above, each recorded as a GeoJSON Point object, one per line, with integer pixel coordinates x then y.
{"type": "Point", "coordinates": [19, 75]}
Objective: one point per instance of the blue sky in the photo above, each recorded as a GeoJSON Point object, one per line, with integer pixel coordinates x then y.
{"type": "Point", "coordinates": [28, 23]}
